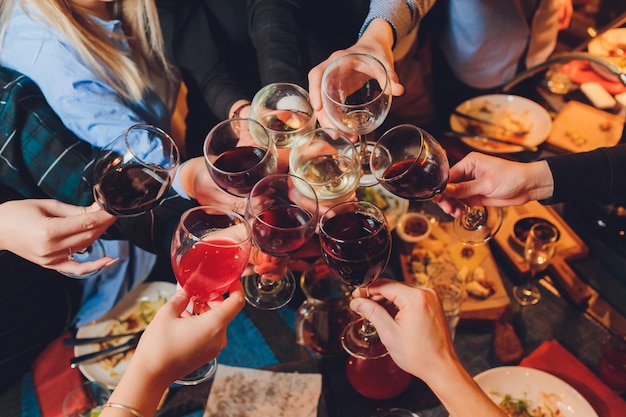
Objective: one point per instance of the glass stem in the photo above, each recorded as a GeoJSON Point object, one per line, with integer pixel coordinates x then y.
{"type": "Point", "coordinates": [265, 284]}
{"type": "Point", "coordinates": [199, 307]}
{"type": "Point", "coordinates": [472, 217]}
{"type": "Point", "coordinates": [364, 152]}
{"type": "Point", "coordinates": [367, 329]}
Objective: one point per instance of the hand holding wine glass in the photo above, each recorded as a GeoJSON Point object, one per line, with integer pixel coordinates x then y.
{"type": "Point", "coordinates": [539, 248]}
{"type": "Point", "coordinates": [210, 250]}
{"type": "Point", "coordinates": [356, 95]}
{"type": "Point", "coordinates": [411, 164]}
{"type": "Point", "coordinates": [282, 221]}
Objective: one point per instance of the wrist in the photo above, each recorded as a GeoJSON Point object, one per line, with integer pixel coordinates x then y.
{"type": "Point", "coordinates": [379, 32]}
{"type": "Point", "coordinates": [542, 182]}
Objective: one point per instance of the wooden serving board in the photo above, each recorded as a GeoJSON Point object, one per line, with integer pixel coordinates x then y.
{"type": "Point", "coordinates": [579, 127]}
{"type": "Point", "coordinates": [570, 247]}
{"type": "Point", "coordinates": [491, 308]}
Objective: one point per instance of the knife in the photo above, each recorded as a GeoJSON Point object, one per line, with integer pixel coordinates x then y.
{"type": "Point", "coordinates": [482, 138]}
{"type": "Point", "coordinates": [489, 122]}
{"type": "Point", "coordinates": [104, 353]}
{"type": "Point", "coordinates": [75, 341]}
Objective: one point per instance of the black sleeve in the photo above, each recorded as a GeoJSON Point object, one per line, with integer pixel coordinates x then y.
{"type": "Point", "coordinates": [191, 45]}
{"type": "Point", "coordinates": [596, 176]}
{"type": "Point", "coordinates": [277, 30]}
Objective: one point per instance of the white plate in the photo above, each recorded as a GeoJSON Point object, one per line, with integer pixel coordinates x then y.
{"type": "Point", "coordinates": [397, 206]}
{"type": "Point", "coordinates": [603, 45]}
{"type": "Point", "coordinates": [532, 384]}
{"type": "Point", "coordinates": [95, 371]}
{"type": "Point", "coordinates": [515, 111]}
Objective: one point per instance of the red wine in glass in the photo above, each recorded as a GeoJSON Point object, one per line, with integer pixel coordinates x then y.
{"type": "Point", "coordinates": [413, 179]}
{"type": "Point", "coordinates": [239, 169]}
{"type": "Point", "coordinates": [132, 189]}
{"type": "Point", "coordinates": [356, 247]}
{"type": "Point", "coordinates": [282, 230]}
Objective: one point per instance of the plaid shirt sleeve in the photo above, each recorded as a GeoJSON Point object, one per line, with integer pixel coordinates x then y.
{"type": "Point", "coordinates": [41, 158]}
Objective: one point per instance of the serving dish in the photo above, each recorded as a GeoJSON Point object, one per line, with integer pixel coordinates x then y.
{"type": "Point", "coordinates": [539, 388]}
{"type": "Point", "coordinates": [510, 114]}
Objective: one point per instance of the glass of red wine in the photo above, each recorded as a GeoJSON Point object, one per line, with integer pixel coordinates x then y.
{"type": "Point", "coordinates": [132, 173]}
{"type": "Point", "coordinates": [283, 219]}
{"type": "Point", "coordinates": [236, 158]}
{"type": "Point", "coordinates": [356, 93]}
{"type": "Point", "coordinates": [356, 245]}
{"type": "Point", "coordinates": [285, 111]}
{"type": "Point", "coordinates": [210, 250]}
{"type": "Point", "coordinates": [411, 164]}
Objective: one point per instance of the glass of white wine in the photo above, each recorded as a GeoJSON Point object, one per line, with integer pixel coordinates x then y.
{"type": "Point", "coordinates": [328, 160]}
{"type": "Point", "coordinates": [539, 249]}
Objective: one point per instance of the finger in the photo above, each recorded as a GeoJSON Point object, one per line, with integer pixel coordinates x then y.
{"type": "Point", "coordinates": [177, 304]}
{"type": "Point", "coordinates": [231, 306]}
{"type": "Point", "coordinates": [385, 325]}
{"type": "Point", "coordinates": [83, 268]}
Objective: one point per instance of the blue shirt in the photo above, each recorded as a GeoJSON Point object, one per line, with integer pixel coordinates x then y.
{"type": "Point", "coordinates": [96, 113]}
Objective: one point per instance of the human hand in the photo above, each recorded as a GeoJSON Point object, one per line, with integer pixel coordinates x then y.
{"type": "Point", "coordinates": [417, 336]}
{"type": "Point", "coordinates": [377, 40]}
{"type": "Point", "coordinates": [564, 14]}
{"type": "Point", "coordinates": [200, 338]}
{"type": "Point", "coordinates": [46, 231]}
{"type": "Point", "coordinates": [481, 179]}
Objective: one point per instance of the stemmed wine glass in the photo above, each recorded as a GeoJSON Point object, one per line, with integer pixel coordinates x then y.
{"type": "Point", "coordinates": [210, 250]}
{"type": "Point", "coordinates": [411, 164]}
{"type": "Point", "coordinates": [282, 219]}
{"type": "Point", "coordinates": [329, 162]}
{"type": "Point", "coordinates": [130, 176]}
{"type": "Point", "coordinates": [539, 248]}
{"type": "Point", "coordinates": [356, 244]}
{"type": "Point", "coordinates": [356, 94]}
{"type": "Point", "coordinates": [285, 111]}
{"type": "Point", "coordinates": [238, 153]}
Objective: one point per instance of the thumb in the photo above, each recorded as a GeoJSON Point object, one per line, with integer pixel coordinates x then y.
{"type": "Point", "coordinates": [377, 314]}
{"type": "Point", "coordinates": [177, 304]}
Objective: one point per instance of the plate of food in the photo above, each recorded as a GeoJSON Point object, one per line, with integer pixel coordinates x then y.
{"type": "Point", "coordinates": [131, 314]}
{"type": "Point", "coordinates": [392, 205]}
{"type": "Point", "coordinates": [612, 46]}
{"type": "Point", "coordinates": [501, 116]}
{"type": "Point", "coordinates": [442, 253]}
{"type": "Point", "coordinates": [529, 392]}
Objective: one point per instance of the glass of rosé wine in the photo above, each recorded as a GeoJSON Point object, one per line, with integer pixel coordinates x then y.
{"type": "Point", "coordinates": [210, 250]}
{"type": "Point", "coordinates": [410, 163]}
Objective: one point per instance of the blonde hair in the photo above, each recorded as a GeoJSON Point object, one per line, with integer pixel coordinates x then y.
{"type": "Point", "coordinates": [146, 67]}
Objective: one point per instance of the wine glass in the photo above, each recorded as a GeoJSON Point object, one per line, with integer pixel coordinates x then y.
{"type": "Point", "coordinates": [329, 162]}
{"type": "Point", "coordinates": [210, 250]}
{"type": "Point", "coordinates": [236, 158]}
{"type": "Point", "coordinates": [132, 173]}
{"type": "Point", "coordinates": [411, 164]}
{"type": "Point", "coordinates": [130, 176]}
{"type": "Point", "coordinates": [283, 219]}
{"type": "Point", "coordinates": [539, 249]}
{"type": "Point", "coordinates": [285, 111]}
{"type": "Point", "coordinates": [356, 94]}
{"type": "Point", "coordinates": [356, 245]}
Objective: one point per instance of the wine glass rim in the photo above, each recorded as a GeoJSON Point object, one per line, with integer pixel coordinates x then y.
{"type": "Point", "coordinates": [267, 149]}
{"type": "Point", "coordinates": [254, 106]}
{"type": "Point", "coordinates": [240, 220]}
{"type": "Point", "coordinates": [330, 213]}
{"type": "Point", "coordinates": [335, 62]}
{"type": "Point", "coordinates": [162, 133]}
{"type": "Point", "coordinates": [314, 216]}
{"type": "Point", "coordinates": [379, 145]}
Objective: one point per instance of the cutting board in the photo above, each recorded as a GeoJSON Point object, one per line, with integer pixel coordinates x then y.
{"type": "Point", "coordinates": [570, 247]}
{"type": "Point", "coordinates": [579, 128]}
{"type": "Point", "coordinates": [492, 307]}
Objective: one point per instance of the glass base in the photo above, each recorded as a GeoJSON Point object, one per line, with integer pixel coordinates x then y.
{"type": "Point", "coordinates": [362, 341]}
{"type": "Point", "coordinates": [91, 253]}
{"type": "Point", "coordinates": [526, 295]}
{"type": "Point", "coordinates": [271, 295]}
{"type": "Point", "coordinates": [483, 225]}
{"type": "Point", "coordinates": [203, 373]}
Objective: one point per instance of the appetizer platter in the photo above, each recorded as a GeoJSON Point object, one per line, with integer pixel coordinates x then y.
{"type": "Point", "coordinates": [441, 252]}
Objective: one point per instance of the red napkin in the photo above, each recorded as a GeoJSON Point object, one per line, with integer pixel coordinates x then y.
{"type": "Point", "coordinates": [553, 358]}
{"type": "Point", "coordinates": [53, 377]}
{"type": "Point", "coordinates": [582, 72]}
